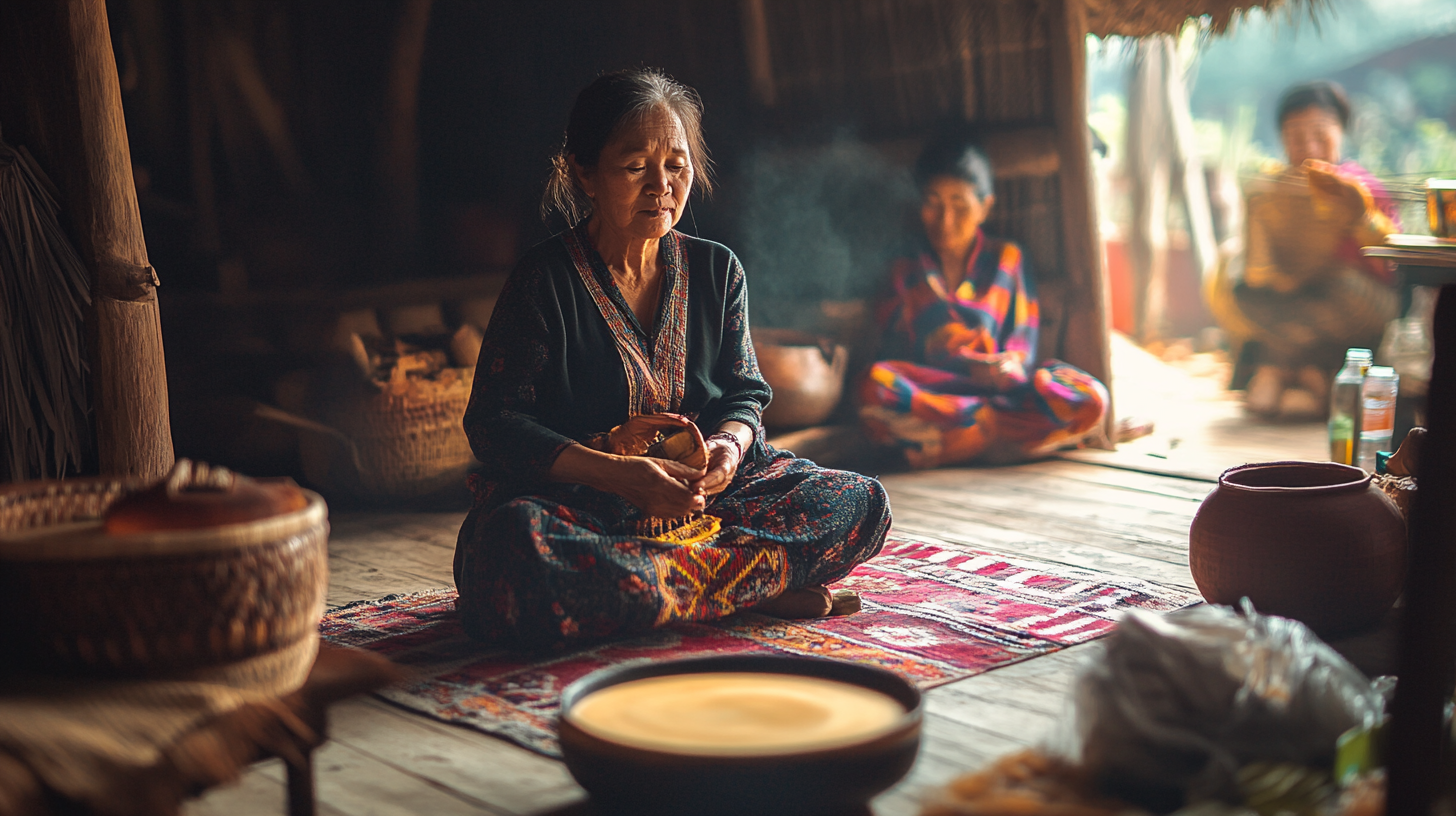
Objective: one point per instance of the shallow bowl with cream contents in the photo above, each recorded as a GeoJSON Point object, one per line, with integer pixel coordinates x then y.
{"type": "Point", "coordinates": [754, 734]}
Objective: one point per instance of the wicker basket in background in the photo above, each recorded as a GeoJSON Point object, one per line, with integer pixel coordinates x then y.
{"type": "Point", "coordinates": [237, 604]}
{"type": "Point", "coordinates": [401, 442]}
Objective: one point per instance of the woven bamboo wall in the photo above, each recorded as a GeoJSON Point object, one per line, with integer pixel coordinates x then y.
{"type": "Point", "coordinates": [893, 68]}
{"type": "Point", "coordinates": [899, 65]}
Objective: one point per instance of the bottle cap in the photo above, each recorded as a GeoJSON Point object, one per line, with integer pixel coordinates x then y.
{"type": "Point", "coordinates": [1381, 373]}
{"type": "Point", "coordinates": [1359, 354]}
{"type": "Point", "coordinates": [1381, 458]}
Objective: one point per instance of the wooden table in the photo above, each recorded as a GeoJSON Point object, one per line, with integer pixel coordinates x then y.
{"type": "Point", "coordinates": [1420, 260]}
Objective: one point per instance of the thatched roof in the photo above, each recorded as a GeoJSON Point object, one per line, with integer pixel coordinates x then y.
{"type": "Point", "coordinates": [1138, 18]}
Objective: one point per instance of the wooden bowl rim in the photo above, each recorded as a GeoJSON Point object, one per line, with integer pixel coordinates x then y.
{"type": "Point", "coordinates": [899, 689]}
{"type": "Point", "coordinates": [1356, 478]}
{"type": "Point", "coordinates": [93, 543]}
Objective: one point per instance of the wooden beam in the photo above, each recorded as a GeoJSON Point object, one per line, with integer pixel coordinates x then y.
{"type": "Point", "coordinates": [62, 99]}
{"type": "Point", "coordinates": [1087, 343]}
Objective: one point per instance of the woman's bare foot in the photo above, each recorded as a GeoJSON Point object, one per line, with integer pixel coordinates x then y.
{"type": "Point", "coordinates": [1316, 382]}
{"type": "Point", "coordinates": [1299, 405]}
{"type": "Point", "coordinates": [1264, 391]}
{"type": "Point", "coordinates": [797, 604]}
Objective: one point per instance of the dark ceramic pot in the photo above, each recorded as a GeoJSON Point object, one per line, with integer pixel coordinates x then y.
{"type": "Point", "coordinates": [1313, 541]}
{"type": "Point", "coordinates": [625, 779]}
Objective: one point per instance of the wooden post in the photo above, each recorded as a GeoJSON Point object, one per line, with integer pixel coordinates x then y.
{"type": "Point", "coordinates": [61, 99]}
{"type": "Point", "coordinates": [760, 57]}
{"type": "Point", "coordinates": [1149, 166]}
{"type": "Point", "coordinates": [1087, 343]}
{"type": "Point", "coordinates": [1417, 736]}
{"type": "Point", "coordinates": [399, 144]}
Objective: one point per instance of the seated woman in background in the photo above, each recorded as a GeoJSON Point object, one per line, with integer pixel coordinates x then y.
{"type": "Point", "coordinates": [606, 336]}
{"type": "Point", "coordinates": [1302, 293]}
{"type": "Point", "coordinates": [959, 378]}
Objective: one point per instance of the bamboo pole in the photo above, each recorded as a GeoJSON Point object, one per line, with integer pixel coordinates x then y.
{"type": "Point", "coordinates": [1087, 342]}
{"type": "Point", "coordinates": [1150, 169]}
{"type": "Point", "coordinates": [62, 99]}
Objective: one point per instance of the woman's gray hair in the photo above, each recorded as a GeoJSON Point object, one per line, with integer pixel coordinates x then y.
{"type": "Point", "coordinates": [616, 100]}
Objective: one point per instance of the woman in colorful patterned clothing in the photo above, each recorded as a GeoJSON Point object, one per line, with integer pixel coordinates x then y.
{"type": "Point", "coordinates": [605, 336]}
{"type": "Point", "coordinates": [1301, 293]}
{"type": "Point", "coordinates": [959, 380]}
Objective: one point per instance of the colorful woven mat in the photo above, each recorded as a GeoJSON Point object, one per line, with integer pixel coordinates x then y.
{"type": "Point", "coordinates": [933, 611]}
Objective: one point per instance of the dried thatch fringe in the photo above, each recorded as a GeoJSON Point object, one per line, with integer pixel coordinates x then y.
{"type": "Point", "coordinates": [44, 291]}
{"type": "Point", "coordinates": [1139, 18]}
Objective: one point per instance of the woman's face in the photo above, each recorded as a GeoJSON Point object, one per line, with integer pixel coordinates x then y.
{"type": "Point", "coordinates": [1312, 133]}
{"type": "Point", "coordinates": [641, 182]}
{"type": "Point", "coordinates": [952, 211]}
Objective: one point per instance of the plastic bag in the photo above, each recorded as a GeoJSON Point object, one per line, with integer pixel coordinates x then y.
{"type": "Point", "coordinates": [1180, 702]}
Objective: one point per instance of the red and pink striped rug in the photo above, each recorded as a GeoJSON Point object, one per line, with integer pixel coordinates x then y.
{"type": "Point", "coordinates": [933, 611]}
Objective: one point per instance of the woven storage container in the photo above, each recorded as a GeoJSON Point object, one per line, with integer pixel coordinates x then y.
{"type": "Point", "coordinates": [237, 603]}
{"type": "Point", "coordinates": [400, 442]}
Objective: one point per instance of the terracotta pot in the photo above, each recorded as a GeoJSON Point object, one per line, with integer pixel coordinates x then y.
{"type": "Point", "coordinates": [1313, 541]}
{"type": "Point", "coordinates": [805, 372]}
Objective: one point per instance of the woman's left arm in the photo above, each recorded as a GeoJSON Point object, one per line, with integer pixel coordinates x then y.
{"type": "Point", "coordinates": [745, 393]}
{"type": "Point", "coordinates": [1022, 326]}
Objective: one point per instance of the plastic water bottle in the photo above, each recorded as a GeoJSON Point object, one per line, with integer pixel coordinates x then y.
{"type": "Point", "coordinates": [1345, 406]}
{"type": "Point", "coordinates": [1377, 423]}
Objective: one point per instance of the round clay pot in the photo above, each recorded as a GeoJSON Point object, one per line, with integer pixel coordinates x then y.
{"type": "Point", "coordinates": [805, 372]}
{"type": "Point", "coordinates": [1313, 541]}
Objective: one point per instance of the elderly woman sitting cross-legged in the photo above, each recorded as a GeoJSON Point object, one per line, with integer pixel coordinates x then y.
{"type": "Point", "coordinates": [609, 337]}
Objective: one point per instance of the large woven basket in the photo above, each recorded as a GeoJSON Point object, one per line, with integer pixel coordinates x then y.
{"type": "Point", "coordinates": [398, 443]}
{"type": "Point", "coordinates": [237, 603]}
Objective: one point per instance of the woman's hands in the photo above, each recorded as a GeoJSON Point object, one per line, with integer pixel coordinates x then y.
{"type": "Point", "coordinates": [1000, 372]}
{"type": "Point", "coordinates": [1347, 198]}
{"type": "Point", "coordinates": [658, 487]}
{"type": "Point", "coordinates": [725, 453]}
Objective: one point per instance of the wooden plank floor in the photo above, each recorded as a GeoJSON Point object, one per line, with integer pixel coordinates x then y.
{"type": "Point", "coordinates": [1125, 511]}
{"type": "Point", "coordinates": [387, 761]}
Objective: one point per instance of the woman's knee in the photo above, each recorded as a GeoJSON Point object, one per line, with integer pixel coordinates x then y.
{"type": "Point", "coordinates": [871, 508]}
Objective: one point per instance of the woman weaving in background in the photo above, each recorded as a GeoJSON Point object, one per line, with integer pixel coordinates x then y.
{"type": "Point", "coordinates": [606, 336]}
{"type": "Point", "coordinates": [959, 379]}
{"type": "Point", "coordinates": [1302, 293]}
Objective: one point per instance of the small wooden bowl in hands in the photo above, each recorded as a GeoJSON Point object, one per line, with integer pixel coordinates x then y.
{"type": "Point", "coordinates": [685, 446]}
